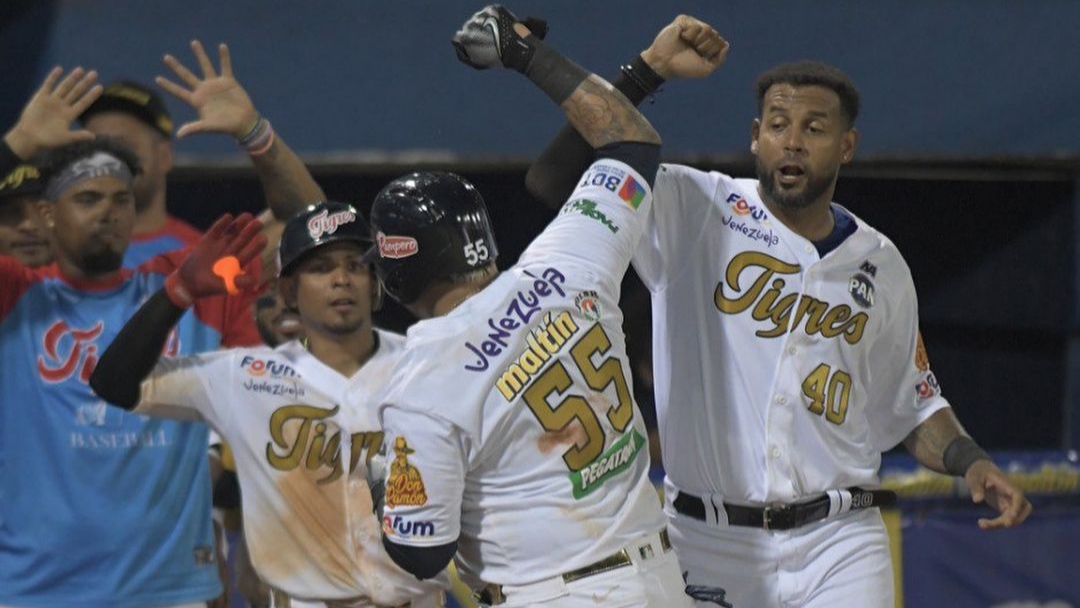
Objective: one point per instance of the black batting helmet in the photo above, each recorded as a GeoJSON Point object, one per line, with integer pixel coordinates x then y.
{"type": "Point", "coordinates": [428, 226]}
{"type": "Point", "coordinates": [318, 225]}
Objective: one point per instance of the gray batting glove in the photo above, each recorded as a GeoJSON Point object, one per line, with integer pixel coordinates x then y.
{"type": "Point", "coordinates": [488, 40]}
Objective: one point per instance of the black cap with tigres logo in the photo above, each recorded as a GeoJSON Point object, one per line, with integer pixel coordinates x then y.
{"type": "Point", "coordinates": [134, 99]}
{"type": "Point", "coordinates": [24, 180]}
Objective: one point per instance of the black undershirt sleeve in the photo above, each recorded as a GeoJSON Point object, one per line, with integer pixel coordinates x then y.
{"type": "Point", "coordinates": [554, 174]}
{"type": "Point", "coordinates": [133, 354]}
{"type": "Point", "coordinates": [421, 562]}
{"type": "Point", "coordinates": [642, 157]}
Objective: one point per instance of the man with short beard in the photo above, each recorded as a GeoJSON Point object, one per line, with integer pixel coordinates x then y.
{"type": "Point", "coordinates": [137, 116]}
{"type": "Point", "coordinates": [786, 350]}
{"type": "Point", "coordinates": [100, 507]}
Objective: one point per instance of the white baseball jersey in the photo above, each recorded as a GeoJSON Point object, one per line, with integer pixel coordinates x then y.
{"type": "Point", "coordinates": [778, 374]}
{"type": "Point", "coordinates": [303, 437]}
{"type": "Point", "coordinates": [510, 425]}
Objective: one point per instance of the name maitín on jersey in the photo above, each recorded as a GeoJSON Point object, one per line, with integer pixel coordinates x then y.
{"type": "Point", "coordinates": [542, 343]}
{"type": "Point", "coordinates": [754, 282]}
{"type": "Point", "coordinates": [312, 446]}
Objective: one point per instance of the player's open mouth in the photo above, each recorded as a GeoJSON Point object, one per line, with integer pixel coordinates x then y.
{"type": "Point", "coordinates": [790, 174]}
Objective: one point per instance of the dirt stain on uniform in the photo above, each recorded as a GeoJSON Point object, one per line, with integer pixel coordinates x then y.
{"type": "Point", "coordinates": [314, 525]}
{"type": "Point", "coordinates": [571, 434]}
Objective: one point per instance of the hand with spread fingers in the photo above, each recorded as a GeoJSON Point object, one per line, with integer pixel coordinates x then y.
{"type": "Point", "coordinates": [222, 104]}
{"type": "Point", "coordinates": [220, 263]}
{"type": "Point", "coordinates": [686, 48]}
{"type": "Point", "coordinates": [989, 484]}
{"type": "Point", "coordinates": [46, 120]}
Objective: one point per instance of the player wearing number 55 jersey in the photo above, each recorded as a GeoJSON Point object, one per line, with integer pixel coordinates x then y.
{"type": "Point", "coordinates": [515, 436]}
{"type": "Point", "coordinates": [787, 358]}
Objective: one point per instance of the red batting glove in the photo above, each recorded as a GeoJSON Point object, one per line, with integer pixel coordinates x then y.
{"type": "Point", "coordinates": [216, 263]}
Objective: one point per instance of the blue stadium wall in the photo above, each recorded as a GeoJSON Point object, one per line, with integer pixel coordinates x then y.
{"type": "Point", "coordinates": [962, 77]}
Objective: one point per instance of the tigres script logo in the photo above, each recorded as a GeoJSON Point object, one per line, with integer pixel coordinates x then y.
{"type": "Point", "coordinates": [326, 223]}
{"type": "Point", "coordinates": [313, 447]}
{"type": "Point", "coordinates": [68, 351]}
{"type": "Point", "coordinates": [762, 297]}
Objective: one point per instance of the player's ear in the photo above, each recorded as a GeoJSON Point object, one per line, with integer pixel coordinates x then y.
{"type": "Point", "coordinates": [755, 130]}
{"type": "Point", "coordinates": [848, 145]}
{"type": "Point", "coordinates": [44, 209]}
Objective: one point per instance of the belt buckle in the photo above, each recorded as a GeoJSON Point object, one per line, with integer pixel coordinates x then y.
{"type": "Point", "coordinates": [771, 512]}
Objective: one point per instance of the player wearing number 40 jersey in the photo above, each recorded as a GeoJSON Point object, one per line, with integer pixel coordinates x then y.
{"type": "Point", "coordinates": [515, 438]}
{"type": "Point", "coordinates": [786, 352]}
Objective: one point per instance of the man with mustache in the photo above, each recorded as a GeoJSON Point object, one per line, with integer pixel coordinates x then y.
{"type": "Point", "coordinates": [300, 418]}
{"type": "Point", "coordinates": [108, 541]}
{"type": "Point", "coordinates": [517, 442]}
{"type": "Point", "coordinates": [786, 350]}
{"type": "Point", "coordinates": [74, 469]}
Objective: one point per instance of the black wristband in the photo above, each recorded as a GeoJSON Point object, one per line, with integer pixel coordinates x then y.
{"type": "Point", "coordinates": [961, 454]}
{"type": "Point", "coordinates": [556, 75]}
{"type": "Point", "coordinates": [643, 76]}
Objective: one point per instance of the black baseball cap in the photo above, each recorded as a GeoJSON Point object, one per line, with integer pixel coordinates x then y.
{"type": "Point", "coordinates": [24, 180]}
{"type": "Point", "coordinates": [135, 99]}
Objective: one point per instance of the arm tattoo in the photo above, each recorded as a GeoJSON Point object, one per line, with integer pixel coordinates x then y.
{"type": "Point", "coordinates": [928, 441]}
{"type": "Point", "coordinates": [602, 115]}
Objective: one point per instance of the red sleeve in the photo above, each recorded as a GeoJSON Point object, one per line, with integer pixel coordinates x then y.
{"type": "Point", "coordinates": [182, 230]}
{"type": "Point", "coordinates": [15, 279]}
{"type": "Point", "coordinates": [165, 263]}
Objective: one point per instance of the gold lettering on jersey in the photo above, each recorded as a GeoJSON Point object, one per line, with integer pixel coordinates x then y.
{"type": "Point", "coordinates": [405, 487]}
{"type": "Point", "coordinates": [543, 341]}
{"type": "Point", "coordinates": [364, 444]}
{"type": "Point", "coordinates": [762, 297]}
{"type": "Point", "coordinates": [313, 446]}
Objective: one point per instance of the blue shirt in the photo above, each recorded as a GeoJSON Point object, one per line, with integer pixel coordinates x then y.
{"type": "Point", "coordinates": [99, 507]}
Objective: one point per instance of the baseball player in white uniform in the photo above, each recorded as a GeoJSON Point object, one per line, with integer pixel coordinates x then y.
{"type": "Point", "coordinates": [300, 418]}
{"type": "Point", "coordinates": [787, 358]}
{"type": "Point", "coordinates": [516, 441]}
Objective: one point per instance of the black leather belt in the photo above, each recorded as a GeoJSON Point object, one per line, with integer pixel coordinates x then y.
{"type": "Point", "coordinates": [783, 516]}
{"type": "Point", "coordinates": [492, 594]}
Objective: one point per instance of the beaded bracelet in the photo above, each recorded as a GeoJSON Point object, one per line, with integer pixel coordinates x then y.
{"type": "Point", "coordinates": [259, 139]}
